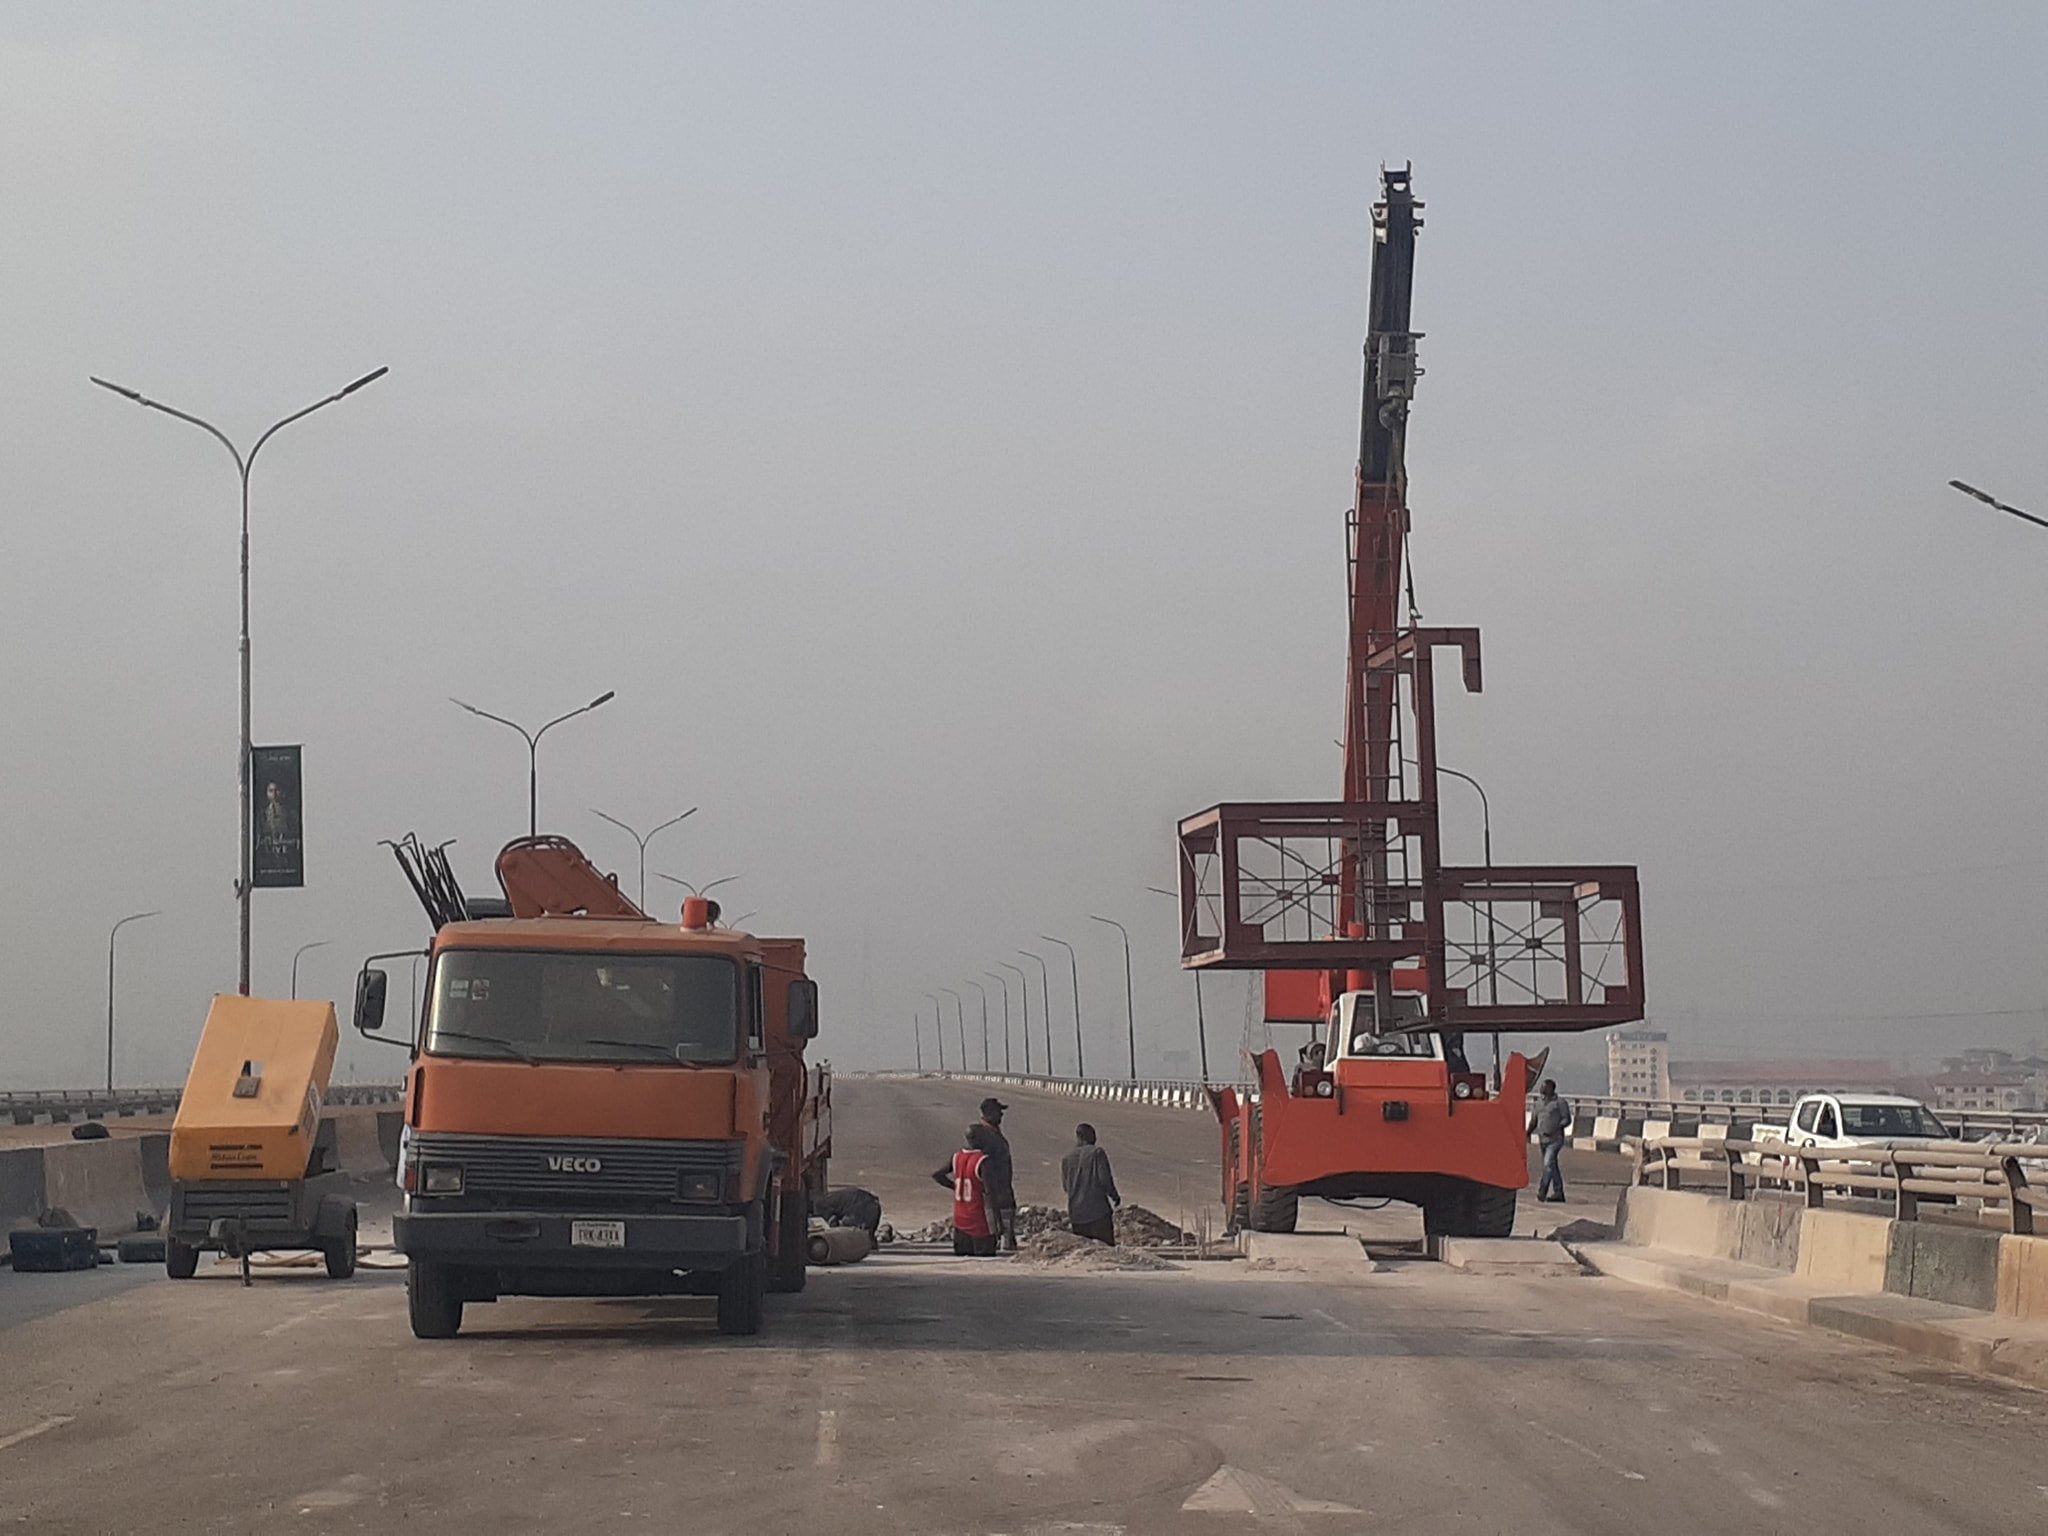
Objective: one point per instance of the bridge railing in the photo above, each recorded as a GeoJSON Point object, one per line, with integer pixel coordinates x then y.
{"type": "Point", "coordinates": [59, 1105]}
{"type": "Point", "coordinates": [1161, 1092]}
{"type": "Point", "coordinates": [2001, 1185]}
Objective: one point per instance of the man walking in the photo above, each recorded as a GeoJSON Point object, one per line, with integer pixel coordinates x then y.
{"type": "Point", "coordinates": [1091, 1188]}
{"type": "Point", "coordinates": [1550, 1123]}
{"type": "Point", "coordinates": [1000, 1173]}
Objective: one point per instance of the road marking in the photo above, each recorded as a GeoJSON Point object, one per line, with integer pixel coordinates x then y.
{"type": "Point", "coordinates": [1589, 1453]}
{"type": "Point", "coordinates": [56, 1422]}
{"type": "Point", "coordinates": [292, 1322]}
{"type": "Point", "coordinates": [828, 1437]}
{"type": "Point", "coordinates": [1333, 1322]}
{"type": "Point", "coordinates": [1232, 1491]}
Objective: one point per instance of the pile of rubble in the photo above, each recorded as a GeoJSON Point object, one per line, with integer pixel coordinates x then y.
{"type": "Point", "coordinates": [1060, 1249]}
{"type": "Point", "coordinates": [1136, 1227]}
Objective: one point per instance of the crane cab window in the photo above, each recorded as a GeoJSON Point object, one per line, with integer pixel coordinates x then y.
{"type": "Point", "coordinates": [1365, 1041]}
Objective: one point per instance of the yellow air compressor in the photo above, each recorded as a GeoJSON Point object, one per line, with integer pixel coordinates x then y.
{"type": "Point", "coordinates": [252, 1161]}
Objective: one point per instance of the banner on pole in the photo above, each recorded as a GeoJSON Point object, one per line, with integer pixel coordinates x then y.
{"type": "Point", "coordinates": [279, 857]}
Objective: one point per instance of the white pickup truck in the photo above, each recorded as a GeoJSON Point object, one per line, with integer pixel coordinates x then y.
{"type": "Point", "coordinates": [1836, 1121]}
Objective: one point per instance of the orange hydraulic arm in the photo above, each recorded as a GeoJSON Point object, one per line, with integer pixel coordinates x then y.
{"type": "Point", "coordinates": [550, 877]}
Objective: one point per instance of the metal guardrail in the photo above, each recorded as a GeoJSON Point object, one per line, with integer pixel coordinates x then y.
{"type": "Point", "coordinates": [2007, 1183]}
{"type": "Point", "coordinates": [1973, 1125]}
{"type": "Point", "coordinates": [59, 1105]}
{"type": "Point", "coordinates": [1165, 1093]}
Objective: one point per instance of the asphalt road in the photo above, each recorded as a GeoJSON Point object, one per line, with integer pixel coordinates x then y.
{"type": "Point", "coordinates": [935, 1395]}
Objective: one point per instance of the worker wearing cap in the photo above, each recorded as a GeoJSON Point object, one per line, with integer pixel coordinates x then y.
{"type": "Point", "coordinates": [999, 1172]}
{"type": "Point", "coordinates": [1092, 1196]}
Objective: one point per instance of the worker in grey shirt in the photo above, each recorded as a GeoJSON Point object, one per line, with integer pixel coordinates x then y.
{"type": "Point", "coordinates": [1091, 1188]}
{"type": "Point", "coordinates": [1550, 1123]}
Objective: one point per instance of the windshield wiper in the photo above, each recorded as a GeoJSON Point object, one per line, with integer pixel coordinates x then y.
{"type": "Point", "coordinates": [665, 1052]}
{"type": "Point", "coordinates": [456, 1034]}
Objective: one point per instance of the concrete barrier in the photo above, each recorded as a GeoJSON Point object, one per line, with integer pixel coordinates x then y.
{"type": "Point", "coordinates": [2023, 1277]}
{"type": "Point", "coordinates": [21, 1187]}
{"type": "Point", "coordinates": [357, 1147]}
{"type": "Point", "coordinates": [1955, 1265]}
{"type": "Point", "coordinates": [100, 1183]}
{"type": "Point", "coordinates": [1844, 1252]}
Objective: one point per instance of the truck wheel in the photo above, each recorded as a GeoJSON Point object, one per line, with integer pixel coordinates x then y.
{"type": "Point", "coordinates": [181, 1260]}
{"type": "Point", "coordinates": [1241, 1208]}
{"type": "Point", "coordinates": [1276, 1209]}
{"type": "Point", "coordinates": [792, 1243]}
{"type": "Point", "coordinates": [1493, 1211]}
{"type": "Point", "coordinates": [430, 1301]}
{"type": "Point", "coordinates": [740, 1291]}
{"type": "Point", "coordinates": [341, 1251]}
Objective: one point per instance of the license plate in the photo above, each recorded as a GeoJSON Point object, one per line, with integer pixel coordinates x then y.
{"type": "Point", "coordinates": [597, 1234]}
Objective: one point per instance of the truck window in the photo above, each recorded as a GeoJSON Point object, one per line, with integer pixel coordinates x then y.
{"type": "Point", "coordinates": [550, 1005]}
{"type": "Point", "coordinates": [1827, 1127]}
{"type": "Point", "coordinates": [1885, 1120]}
{"type": "Point", "coordinates": [1809, 1112]}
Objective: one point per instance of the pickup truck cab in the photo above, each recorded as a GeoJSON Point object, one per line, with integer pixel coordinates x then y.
{"type": "Point", "coordinates": [1836, 1121]}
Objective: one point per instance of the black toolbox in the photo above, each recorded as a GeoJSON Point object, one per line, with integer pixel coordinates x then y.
{"type": "Point", "coordinates": [46, 1250]}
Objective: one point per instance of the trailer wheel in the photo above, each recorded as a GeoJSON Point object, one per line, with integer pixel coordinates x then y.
{"type": "Point", "coordinates": [340, 1252]}
{"type": "Point", "coordinates": [1277, 1209]}
{"type": "Point", "coordinates": [181, 1260]}
{"type": "Point", "coordinates": [431, 1304]}
{"type": "Point", "coordinates": [741, 1289]}
{"type": "Point", "coordinates": [792, 1243]}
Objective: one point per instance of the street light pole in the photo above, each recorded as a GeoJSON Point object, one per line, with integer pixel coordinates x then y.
{"type": "Point", "coordinates": [1492, 930]}
{"type": "Point", "coordinates": [533, 749]}
{"type": "Point", "coordinates": [1044, 1004]}
{"type": "Point", "coordinates": [243, 465]}
{"type": "Point", "coordinates": [1074, 968]}
{"type": "Point", "coordinates": [133, 917]}
{"type": "Point", "coordinates": [1992, 501]}
{"type": "Point", "coordinates": [1130, 1011]}
{"type": "Point", "coordinates": [295, 961]}
{"type": "Point", "coordinates": [917, 1041]}
{"type": "Point", "coordinates": [1024, 985]}
{"type": "Point", "coordinates": [959, 1023]}
{"type": "Point", "coordinates": [984, 1020]}
{"type": "Point", "coordinates": [1005, 981]}
{"type": "Point", "coordinates": [939, 1028]}
{"type": "Point", "coordinates": [643, 841]}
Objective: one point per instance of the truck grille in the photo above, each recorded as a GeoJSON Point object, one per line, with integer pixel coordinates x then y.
{"type": "Point", "coordinates": [548, 1170]}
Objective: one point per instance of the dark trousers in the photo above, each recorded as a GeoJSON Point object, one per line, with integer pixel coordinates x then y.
{"type": "Point", "coordinates": [1006, 1221]}
{"type": "Point", "coordinates": [967, 1246]}
{"type": "Point", "coordinates": [1102, 1230]}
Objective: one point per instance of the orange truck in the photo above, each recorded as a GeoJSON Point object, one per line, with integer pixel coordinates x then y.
{"type": "Point", "coordinates": [601, 1104]}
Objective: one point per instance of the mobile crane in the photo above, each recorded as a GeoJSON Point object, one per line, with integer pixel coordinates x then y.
{"type": "Point", "coordinates": [1361, 930]}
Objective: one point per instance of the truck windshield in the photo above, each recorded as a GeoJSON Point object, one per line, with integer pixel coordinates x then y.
{"type": "Point", "coordinates": [1890, 1120]}
{"type": "Point", "coordinates": [547, 1005]}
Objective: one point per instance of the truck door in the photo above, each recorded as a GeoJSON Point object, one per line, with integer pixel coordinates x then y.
{"type": "Point", "coordinates": [1804, 1121]}
{"type": "Point", "coordinates": [1828, 1127]}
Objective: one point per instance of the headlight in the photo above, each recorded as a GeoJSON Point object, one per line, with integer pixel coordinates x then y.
{"type": "Point", "coordinates": [441, 1179]}
{"type": "Point", "coordinates": [1326, 1089]}
{"type": "Point", "coordinates": [1461, 1090]}
{"type": "Point", "coordinates": [705, 1187]}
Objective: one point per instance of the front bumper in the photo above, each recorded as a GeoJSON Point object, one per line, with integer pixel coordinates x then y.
{"type": "Point", "coordinates": [541, 1240]}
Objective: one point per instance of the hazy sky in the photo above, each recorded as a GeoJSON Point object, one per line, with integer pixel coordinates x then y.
{"type": "Point", "coordinates": [936, 423]}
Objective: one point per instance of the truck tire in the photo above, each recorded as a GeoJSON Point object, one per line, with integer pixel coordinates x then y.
{"type": "Point", "coordinates": [792, 1243]}
{"type": "Point", "coordinates": [741, 1289]}
{"type": "Point", "coordinates": [181, 1260]}
{"type": "Point", "coordinates": [1277, 1209]}
{"type": "Point", "coordinates": [1241, 1208]}
{"type": "Point", "coordinates": [340, 1252]}
{"type": "Point", "coordinates": [1493, 1211]}
{"type": "Point", "coordinates": [431, 1304]}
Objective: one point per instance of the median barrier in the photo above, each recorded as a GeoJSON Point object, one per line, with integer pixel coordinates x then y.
{"type": "Point", "coordinates": [357, 1147]}
{"type": "Point", "coordinates": [98, 1183]}
{"type": "Point", "coordinates": [21, 1187]}
{"type": "Point", "coordinates": [1842, 1251]}
{"type": "Point", "coordinates": [1949, 1264]}
{"type": "Point", "coordinates": [2023, 1276]}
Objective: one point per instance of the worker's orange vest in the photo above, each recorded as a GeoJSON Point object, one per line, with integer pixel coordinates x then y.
{"type": "Point", "coordinates": [970, 1200]}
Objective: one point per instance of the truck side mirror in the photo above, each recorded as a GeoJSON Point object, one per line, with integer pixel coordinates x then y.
{"type": "Point", "coordinates": [803, 1009]}
{"type": "Point", "coordinates": [370, 987]}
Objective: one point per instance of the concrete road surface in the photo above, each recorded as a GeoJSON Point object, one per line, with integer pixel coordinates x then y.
{"type": "Point", "coordinates": [936, 1395]}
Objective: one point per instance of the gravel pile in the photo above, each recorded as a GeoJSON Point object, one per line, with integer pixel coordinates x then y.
{"type": "Point", "coordinates": [1136, 1227]}
{"type": "Point", "coordinates": [1065, 1250]}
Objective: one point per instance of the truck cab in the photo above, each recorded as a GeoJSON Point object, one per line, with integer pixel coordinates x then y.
{"type": "Point", "coordinates": [1837, 1121]}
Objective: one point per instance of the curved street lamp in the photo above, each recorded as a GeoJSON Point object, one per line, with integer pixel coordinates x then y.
{"type": "Point", "coordinates": [1024, 986]}
{"type": "Point", "coordinates": [1044, 1004]}
{"type": "Point", "coordinates": [1074, 968]}
{"type": "Point", "coordinates": [1992, 501]}
{"type": "Point", "coordinates": [532, 739]}
{"type": "Point", "coordinates": [317, 943]}
{"type": "Point", "coordinates": [917, 1040]}
{"type": "Point", "coordinates": [1004, 981]}
{"type": "Point", "coordinates": [984, 1019]}
{"type": "Point", "coordinates": [244, 463]}
{"type": "Point", "coordinates": [1130, 1011]}
{"type": "Point", "coordinates": [642, 841]}
{"type": "Point", "coordinates": [939, 1028]}
{"type": "Point", "coordinates": [133, 917]}
{"type": "Point", "coordinates": [960, 1023]}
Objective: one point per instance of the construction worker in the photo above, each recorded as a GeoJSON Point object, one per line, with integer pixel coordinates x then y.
{"type": "Point", "coordinates": [975, 1218]}
{"type": "Point", "coordinates": [1092, 1197]}
{"type": "Point", "coordinates": [1550, 1123]}
{"type": "Point", "coordinates": [1001, 1172]}
{"type": "Point", "coordinates": [850, 1207]}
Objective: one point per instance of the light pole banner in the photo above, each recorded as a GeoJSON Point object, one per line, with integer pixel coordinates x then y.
{"type": "Point", "coordinates": [280, 852]}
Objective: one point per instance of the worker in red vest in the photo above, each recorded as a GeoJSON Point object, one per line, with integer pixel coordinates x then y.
{"type": "Point", "coordinates": [975, 1221]}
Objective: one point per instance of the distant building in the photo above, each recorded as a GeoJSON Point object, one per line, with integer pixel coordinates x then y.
{"type": "Point", "coordinates": [1994, 1092]}
{"type": "Point", "coordinates": [1639, 1064]}
{"type": "Point", "coordinates": [1776, 1082]}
